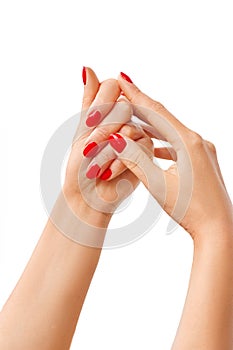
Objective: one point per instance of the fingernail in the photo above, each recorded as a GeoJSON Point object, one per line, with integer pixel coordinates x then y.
{"type": "Point", "coordinates": [126, 77]}
{"type": "Point", "coordinates": [117, 142]}
{"type": "Point", "coordinates": [106, 174]}
{"type": "Point", "coordinates": [93, 119]}
{"type": "Point", "coordinates": [90, 150]}
{"type": "Point", "coordinates": [93, 172]}
{"type": "Point", "coordinates": [84, 75]}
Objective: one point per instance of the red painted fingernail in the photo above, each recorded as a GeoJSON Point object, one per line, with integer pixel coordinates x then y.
{"type": "Point", "coordinates": [93, 172]}
{"type": "Point", "coordinates": [126, 77]}
{"type": "Point", "coordinates": [84, 75]}
{"type": "Point", "coordinates": [117, 142]}
{"type": "Point", "coordinates": [90, 150]}
{"type": "Point", "coordinates": [106, 174]}
{"type": "Point", "coordinates": [94, 118]}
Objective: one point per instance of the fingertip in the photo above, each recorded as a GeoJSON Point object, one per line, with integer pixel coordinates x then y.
{"type": "Point", "coordinates": [126, 77]}
{"type": "Point", "coordinates": [94, 118]}
{"type": "Point", "coordinates": [89, 76]}
{"type": "Point", "coordinates": [112, 84]}
{"type": "Point", "coordinates": [127, 86]}
{"type": "Point", "coordinates": [93, 171]}
{"type": "Point", "coordinates": [117, 168]}
{"type": "Point", "coordinates": [84, 75]}
{"type": "Point", "coordinates": [90, 150]}
{"type": "Point", "coordinates": [118, 142]}
{"type": "Point", "coordinates": [91, 86]}
{"type": "Point", "coordinates": [106, 174]}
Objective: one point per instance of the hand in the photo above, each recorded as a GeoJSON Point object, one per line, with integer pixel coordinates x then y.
{"type": "Point", "coordinates": [192, 191]}
{"type": "Point", "coordinates": [85, 174]}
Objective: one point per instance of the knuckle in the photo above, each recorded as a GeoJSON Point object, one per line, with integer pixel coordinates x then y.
{"type": "Point", "coordinates": [87, 100]}
{"type": "Point", "coordinates": [146, 141]}
{"type": "Point", "coordinates": [157, 106]}
{"type": "Point", "coordinates": [131, 165]}
{"type": "Point", "coordinates": [211, 146]}
{"type": "Point", "coordinates": [125, 107]}
{"type": "Point", "coordinates": [138, 159]}
{"type": "Point", "coordinates": [127, 130]}
{"type": "Point", "coordinates": [194, 139]}
{"type": "Point", "coordinates": [148, 147]}
{"type": "Point", "coordinates": [102, 133]}
{"type": "Point", "coordinates": [111, 83]}
{"type": "Point", "coordinates": [134, 98]}
{"type": "Point", "coordinates": [149, 143]}
{"type": "Point", "coordinates": [104, 157]}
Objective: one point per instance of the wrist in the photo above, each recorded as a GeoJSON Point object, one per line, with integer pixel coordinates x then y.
{"type": "Point", "coordinates": [220, 238]}
{"type": "Point", "coordinates": [78, 222]}
{"type": "Point", "coordinates": [85, 212]}
{"type": "Point", "coordinates": [214, 229]}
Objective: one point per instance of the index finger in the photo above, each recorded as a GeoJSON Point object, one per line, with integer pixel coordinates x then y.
{"type": "Point", "coordinates": [153, 112]}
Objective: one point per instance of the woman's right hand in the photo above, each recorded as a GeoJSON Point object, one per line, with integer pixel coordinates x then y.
{"type": "Point", "coordinates": [191, 191]}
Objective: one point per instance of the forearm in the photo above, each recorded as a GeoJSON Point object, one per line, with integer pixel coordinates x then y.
{"type": "Point", "coordinates": [207, 319]}
{"type": "Point", "coordinates": [43, 310]}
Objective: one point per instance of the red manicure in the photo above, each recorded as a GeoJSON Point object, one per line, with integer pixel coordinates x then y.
{"type": "Point", "coordinates": [93, 172]}
{"type": "Point", "coordinates": [84, 75]}
{"type": "Point", "coordinates": [106, 174]}
{"type": "Point", "coordinates": [126, 77]}
{"type": "Point", "coordinates": [117, 142]}
{"type": "Point", "coordinates": [93, 119]}
{"type": "Point", "coordinates": [90, 150]}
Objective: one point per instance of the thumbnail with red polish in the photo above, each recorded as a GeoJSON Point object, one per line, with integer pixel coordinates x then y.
{"type": "Point", "coordinates": [90, 150]}
{"type": "Point", "coordinates": [126, 77]}
{"type": "Point", "coordinates": [93, 172]}
{"type": "Point", "coordinates": [93, 118]}
{"type": "Point", "coordinates": [106, 174]}
{"type": "Point", "coordinates": [117, 142]}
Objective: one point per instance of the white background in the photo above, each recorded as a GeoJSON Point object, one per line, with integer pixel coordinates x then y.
{"type": "Point", "coordinates": [179, 52]}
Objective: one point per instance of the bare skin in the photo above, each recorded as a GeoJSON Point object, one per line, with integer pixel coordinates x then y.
{"type": "Point", "coordinates": [207, 319]}
{"type": "Point", "coordinates": [53, 294]}
{"type": "Point", "coordinates": [43, 310]}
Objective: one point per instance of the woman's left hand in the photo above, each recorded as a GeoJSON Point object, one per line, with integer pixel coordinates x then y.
{"type": "Point", "coordinates": [88, 164]}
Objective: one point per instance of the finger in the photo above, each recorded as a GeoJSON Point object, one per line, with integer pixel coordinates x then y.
{"type": "Point", "coordinates": [105, 158]}
{"type": "Point", "coordinates": [95, 94]}
{"type": "Point", "coordinates": [117, 167]}
{"type": "Point", "coordinates": [150, 130]}
{"type": "Point", "coordinates": [91, 87]}
{"type": "Point", "coordinates": [135, 132]}
{"type": "Point", "coordinates": [100, 163]}
{"type": "Point", "coordinates": [136, 160]}
{"type": "Point", "coordinates": [120, 114]}
{"type": "Point", "coordinates": [165, 153]}
{"type": "Point", "coordinates": [153, 112]}
{"type": "Point", "coordinates": [105, 98]}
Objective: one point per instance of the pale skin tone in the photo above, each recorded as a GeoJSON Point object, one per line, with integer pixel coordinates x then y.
{"type": "Point", "coordinates": [43, 310]}
{"type": "Point", "coordinates": [51, 291]}
{"type": "Point", "coordinates": [207, 319]}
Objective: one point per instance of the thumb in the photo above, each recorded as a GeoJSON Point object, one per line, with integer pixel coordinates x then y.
{"type": "Point", "coordinates": [138, 162]}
